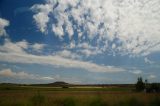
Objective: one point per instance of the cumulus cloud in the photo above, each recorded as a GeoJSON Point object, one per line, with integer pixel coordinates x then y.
{"type": "Point", "coordinates": [126, 27]}
{"type": "Point", "coordinates": [17, 47]}
{"type": "Point", "coordinates": [22, 75]}
{"type": "Point", "coordinates": [20, 47]}
{"type": "Point", "coordinates": [58, 30]}
{"type": "Point", "coordinates": [42, 18]}
{"type": "Point", "coordinates": [3, 24]}
{"type": "Point", "coordinates": [10, 73]}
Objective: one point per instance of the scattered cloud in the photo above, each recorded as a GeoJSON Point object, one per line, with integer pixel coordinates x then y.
{"type": "Point", "coordinates": [3, 24]}
{"type": "Point", "coordinates": [125, 27]}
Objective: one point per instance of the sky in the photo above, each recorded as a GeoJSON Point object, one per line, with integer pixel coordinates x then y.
{"type": "Point", "coordinates": [79, 41]}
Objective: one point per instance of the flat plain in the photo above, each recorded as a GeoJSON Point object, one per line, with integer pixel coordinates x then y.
{"type": "Point", "coordinates": [75, 96]}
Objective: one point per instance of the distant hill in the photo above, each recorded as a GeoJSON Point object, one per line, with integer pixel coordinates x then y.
{"type": "Point", "coordinates": [55, 84]}
{"type": "Point", "coordinates": [59, 83]}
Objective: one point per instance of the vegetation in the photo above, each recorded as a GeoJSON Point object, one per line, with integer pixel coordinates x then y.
{"type": "Point", "coordinates": [140, 86]}
{"type": "Point", "coordinates": [50, 96]}
{"type": "Point", "coordinates": [64, 94]}
{"type": "Point", "coordinates": [152, 87]}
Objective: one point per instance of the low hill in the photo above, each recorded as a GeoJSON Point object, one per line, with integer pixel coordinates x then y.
{"type": "Point", "coordinates": [58, 83]}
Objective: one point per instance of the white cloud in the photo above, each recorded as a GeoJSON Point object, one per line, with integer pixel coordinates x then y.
{"type": "Point", "coordinates": [68, 54]}
{"type": "Point", "coordinates": [88, 52]}
{"type": "Point", "coordinates": [3, 23]}
{"type": "Point", "coordinates": [17, 47]}
{"type": "Point", "coordinates": [58, 30]}
{"type": "Point", "coordinates": [20, 47]}
{"type": "Point", "coordinates": [42, 18]}
{"type": "Point", "coordinates": [72, 45]}
{"type": "Point", "coordinates": [137, 72]}
{"type": "Point", "coordinates": [151, 76]}
{"type": "Point", "coordinates": [57, 61]}
{"type": "Point", "coordinates": [22, 75]}
{"type": "Point", "coordinates": [134, 24]}
{"type": "Point", "coordinates": [146, 60]}
{"type": "Point", "coordinates": [38, 47]}
{"type": "Point", "coordinates": [15, 53]}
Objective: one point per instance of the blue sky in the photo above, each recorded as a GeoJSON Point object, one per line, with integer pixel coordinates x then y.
{"type": "Point", "coordinates": [79, 41]}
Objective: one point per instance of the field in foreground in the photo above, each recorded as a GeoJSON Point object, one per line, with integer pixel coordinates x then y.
{"type": "Point", "coordinates": [83, 96]}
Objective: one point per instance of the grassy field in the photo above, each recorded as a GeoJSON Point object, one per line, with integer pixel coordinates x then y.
{"type": "Point", "coordinates": [83, 96]}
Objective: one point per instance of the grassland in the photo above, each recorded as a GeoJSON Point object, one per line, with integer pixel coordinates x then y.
{"type": "Point", "coordinates": [75, 96]}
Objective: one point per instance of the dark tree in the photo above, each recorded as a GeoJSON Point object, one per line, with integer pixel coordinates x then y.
{"type": "Point", "coordinates": [140, 86]}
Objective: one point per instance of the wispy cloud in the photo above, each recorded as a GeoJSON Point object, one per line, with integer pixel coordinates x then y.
{"type": "Point", "coordinates": [15, 53]}
{"type": "Point", "coordinates": [3, 24]}
{"type": "Point", "coordinates": [151, 76]}
{"type": "Point", "coordinates": [146, 60]}
{"type": "Point", "coordinates": [57, 61]}
{"type": "Point", "coordinates": [137, 72]}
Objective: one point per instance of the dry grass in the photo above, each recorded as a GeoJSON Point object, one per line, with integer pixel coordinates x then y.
{"type": "Point", "coordinates": [77, 98]}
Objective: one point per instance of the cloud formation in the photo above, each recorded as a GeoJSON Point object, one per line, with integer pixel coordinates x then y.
{"type": "Point", "coordinates": [20, 47]}
{"type": "Point", "coordinates": [22, 75]}
{"type": "Point", "coordinates": [125, 27]}
{"type": "Point", "coordinates": [3, 24]}
{"type": "Point", "coordinates": [57, 61]}
{"type": "Point", "coordinates": [16, 53]}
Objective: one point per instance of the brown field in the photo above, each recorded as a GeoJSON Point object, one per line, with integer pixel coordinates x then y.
{"type": "Point", "coordinates": [50, 96]}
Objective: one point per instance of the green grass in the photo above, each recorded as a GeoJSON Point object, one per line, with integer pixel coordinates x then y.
{"type": "Point", "coordinates": [69, 102]}
{"type": "Point", "coordinates": [38, 99]}
{"type": "Point", "coordinates": [48, 96]}
{"type": "Point", "coordinates": [34, 88]}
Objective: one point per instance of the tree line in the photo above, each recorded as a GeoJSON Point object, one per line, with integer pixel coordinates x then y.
{"type": "Point", "coordinates": [147, 87]}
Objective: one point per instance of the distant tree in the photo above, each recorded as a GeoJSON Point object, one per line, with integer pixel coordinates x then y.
{"type": "Point", "coordinates": [146, 83]}
{"type": "Point", "coordinates": [140, 86]}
